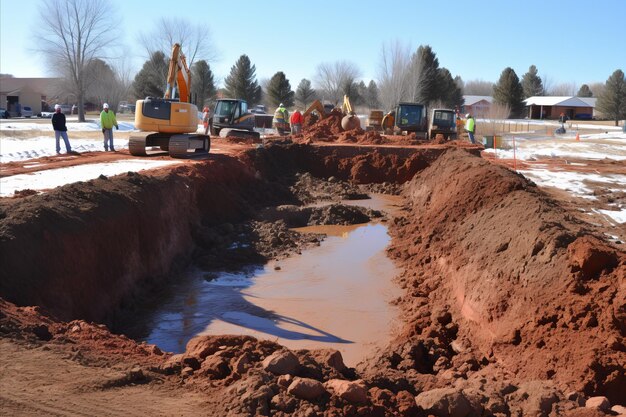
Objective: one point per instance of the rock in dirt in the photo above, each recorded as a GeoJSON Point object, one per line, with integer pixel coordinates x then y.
{"type": "Point", "coordinates": [329, 357]}
{"type": "Point", "coordinates": [281, 363]}
{"type": "Point", "coordinates": [590, 256]}
{"type": "Point", "coordinates": [306, 388]}
{"type": "Point", "coordinates": [620, 410]}
{"type": "Point", "coordinates": [215, 367]}
{"type": "Point", "coordinates": [444, 402]}
{"type": "Point", "coordinates": [599, 403]}
{"type": "Point", "coordinates": [352, 391]}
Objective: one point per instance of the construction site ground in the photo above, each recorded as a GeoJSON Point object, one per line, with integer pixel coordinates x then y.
{"type": "Point", "coordinates": [507, 293]}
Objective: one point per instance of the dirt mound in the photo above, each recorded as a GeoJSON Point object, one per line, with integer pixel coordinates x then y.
{"type": "Point", "coordinates": [497, 273]}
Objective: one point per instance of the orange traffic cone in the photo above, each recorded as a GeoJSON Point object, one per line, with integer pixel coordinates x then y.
{"type": "Point", "coordinates": [577, 137]}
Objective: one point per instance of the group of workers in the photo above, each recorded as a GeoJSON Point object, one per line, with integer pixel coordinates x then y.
{"type": "Point", "coordinates": [107, 123]}
{"type": "Point", "coordinates": [282, 121]}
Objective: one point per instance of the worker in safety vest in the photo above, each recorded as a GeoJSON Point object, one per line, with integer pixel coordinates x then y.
{"type": "Point", "coordinates": [470, 126]}
{"type": "Point", "coordinates": [281, 119]}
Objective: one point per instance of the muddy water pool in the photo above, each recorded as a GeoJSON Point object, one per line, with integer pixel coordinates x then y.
{"type": "Point", "coordinates": [333, 296]}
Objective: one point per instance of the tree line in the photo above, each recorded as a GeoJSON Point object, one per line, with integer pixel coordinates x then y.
{"type": "Point", "coordinates": [83, 33]}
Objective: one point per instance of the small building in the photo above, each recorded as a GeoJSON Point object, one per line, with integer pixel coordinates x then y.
{"type": "Point", "coordinates": [15, 93]}
{"type": "Point", "coordinates": [478, 106]}
{"type": "Point", "coordinates": [551, 107]}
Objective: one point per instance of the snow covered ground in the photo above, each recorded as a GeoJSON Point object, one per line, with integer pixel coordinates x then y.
{"type": "Point", "coordinates": [21, 140]}
{"type": "Point", "coordinates": [610, 144]}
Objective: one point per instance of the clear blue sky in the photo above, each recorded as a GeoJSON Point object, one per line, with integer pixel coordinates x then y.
{"type": "Point", "coordinates": [574, 41]}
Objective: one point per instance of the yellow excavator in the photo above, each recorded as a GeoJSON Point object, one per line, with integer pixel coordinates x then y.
{"type": "Point", "coordinates": [169, 123]}
{"type": "Point", "coordinates": [348, 122]}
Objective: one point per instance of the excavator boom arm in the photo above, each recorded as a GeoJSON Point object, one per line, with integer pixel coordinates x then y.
{"type": "Point", "coordinates": [315, 106]}
{"type": "Point", "coordinates": [178, 75]}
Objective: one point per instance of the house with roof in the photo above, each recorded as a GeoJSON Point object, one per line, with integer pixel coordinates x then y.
{"type": "Point", "coordinates": [16, 93]}
{"type": "Point", "coordinates": [478, 106]}
{"type": "Point", "coordinates": [551, 107]}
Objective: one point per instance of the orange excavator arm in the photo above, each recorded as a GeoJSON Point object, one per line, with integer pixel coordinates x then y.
{"type": "Point", "coordinates": [178, 75]}
{"type": "Point", "coordinates": [315, 106]}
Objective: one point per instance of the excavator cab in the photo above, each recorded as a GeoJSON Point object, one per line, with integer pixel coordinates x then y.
{"type": "Point", "coordinates": [411, 117]}
{"type": "Point", "coordinates": [442, 122]}
{"type": "Point", "coordinates": [233, 114]}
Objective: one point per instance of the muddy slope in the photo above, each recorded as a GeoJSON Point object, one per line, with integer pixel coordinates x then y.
{"type": "Point", "coordinates": [84, 249]}
{"type": "Point", "coordinates": [497, 271]}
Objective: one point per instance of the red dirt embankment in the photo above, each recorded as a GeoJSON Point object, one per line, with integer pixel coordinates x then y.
{"type": "Point", "coordinates": [512, 306]}
{"type": "Point", "coordinates": [499, 268]}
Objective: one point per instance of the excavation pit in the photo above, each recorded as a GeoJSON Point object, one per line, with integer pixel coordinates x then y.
{"type": "Point", "coordinates": [498, 307]}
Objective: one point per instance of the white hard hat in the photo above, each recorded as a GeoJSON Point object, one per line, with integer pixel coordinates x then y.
{"type": "Point", "coordinates": [467, 115]}
{"type": "Point", "coordinates": [281, 105]}
{"type": "Point", "coordinates": [57, 107]}
{"type": "Point", "coordinates": [105, 106]}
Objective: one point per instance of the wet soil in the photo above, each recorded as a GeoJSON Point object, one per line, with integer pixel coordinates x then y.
{"type": "Point", "coordinates": [511, 304]}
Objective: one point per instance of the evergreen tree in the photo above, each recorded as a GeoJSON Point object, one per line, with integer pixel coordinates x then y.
{"type": "Point", "coordinates": [449, 92]}
{"type": "Point", "coordinates": [361, 89]}
{"type": "Point", "coordinates": [241, 83]}
{"type": "Point", "coordinates": [584, 91]}
{"type": "Point", "coordinates": [305, 94]}
{"type": "Point", "coordinates": [279, 90]}
{"type": "Point", "coordinates": [508, 91]}
{"type": "Point", "coordinates": [371, 96]}
{"type": "Point", "coordinates": [203, 85]}
{"type": "Point", "coordinates": [427, 90]}
{"type": "Point", "coordinates": [351, 89]}
{"type": "Point", "coordinates": [150, 80]}
{"type": "Point", "coordinates": [531, 83]}
{"type": "Point", "coordinates": [612, 101]}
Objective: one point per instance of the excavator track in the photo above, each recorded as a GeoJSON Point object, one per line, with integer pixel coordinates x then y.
{"type": "Point", "coordinates": [178, 146]}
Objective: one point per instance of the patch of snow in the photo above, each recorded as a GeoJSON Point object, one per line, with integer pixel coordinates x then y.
{"type": "Point", "coordinates": [573, 182]}
{"type": "Point", "coordinates": [12, 149]}
{"type": "Point", "coordinates": [619, 216]}
{"type": "Point", "coordinates": [53, 178]}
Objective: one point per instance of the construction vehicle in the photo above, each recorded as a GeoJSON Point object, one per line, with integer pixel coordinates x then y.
{"type": "Point", "coordinates": [350, 120]}
{"type": "Point", "coordinates": [169, 123]}
{"type": "Point", "coordinates": [232, 118]}
{"type": "Point", "coordinates": [407, 118]}
{"type": "Point", "coordinates": [442, 122]}
{"type": "Point", "coordinates": [375, 120]}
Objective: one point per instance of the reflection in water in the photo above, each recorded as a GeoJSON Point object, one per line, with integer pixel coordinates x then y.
{"type": "Point", "coordinates": [333, 296]}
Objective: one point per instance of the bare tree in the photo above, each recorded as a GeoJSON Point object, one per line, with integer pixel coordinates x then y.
{"type": "Point", "coordinates": [111, 87]}
{"type": "Point", "coordinates": [596, 88]}
{"type": "Point", "coordinates": [332, 79]}
{"type": "Point", "coordinates": [478, 88]}
{"type": "Point", "coordinates": [194, 39]}
{"type": "Point", "coordinates": [397, 74]}
{"type": "Point", "coordinates": [71, 35]}
{"type": "Point", "coordinates": [564, 89]}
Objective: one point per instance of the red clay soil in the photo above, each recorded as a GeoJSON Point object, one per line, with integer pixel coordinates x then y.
{"type": "Point", "coordinates": [511, 307]}
{"type": "Point", "coordinates": [495, 265]}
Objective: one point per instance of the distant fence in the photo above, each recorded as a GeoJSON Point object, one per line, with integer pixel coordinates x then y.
{"type": "Point", "coordinates": [499, 127]}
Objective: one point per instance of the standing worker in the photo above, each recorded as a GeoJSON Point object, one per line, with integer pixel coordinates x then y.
{"type": "Point", "coordinates": [60, 129]}
{"type": "Point", "coordinates": [281, 117]}
{"type": "Point", "coordinates": [107, 121]}
{"type": "Point", "coordinates": [206, 119]}
{"type": "Point", "coordinates": [296, 121]}
{"type": "Point", "coordinates": [470, 126]}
